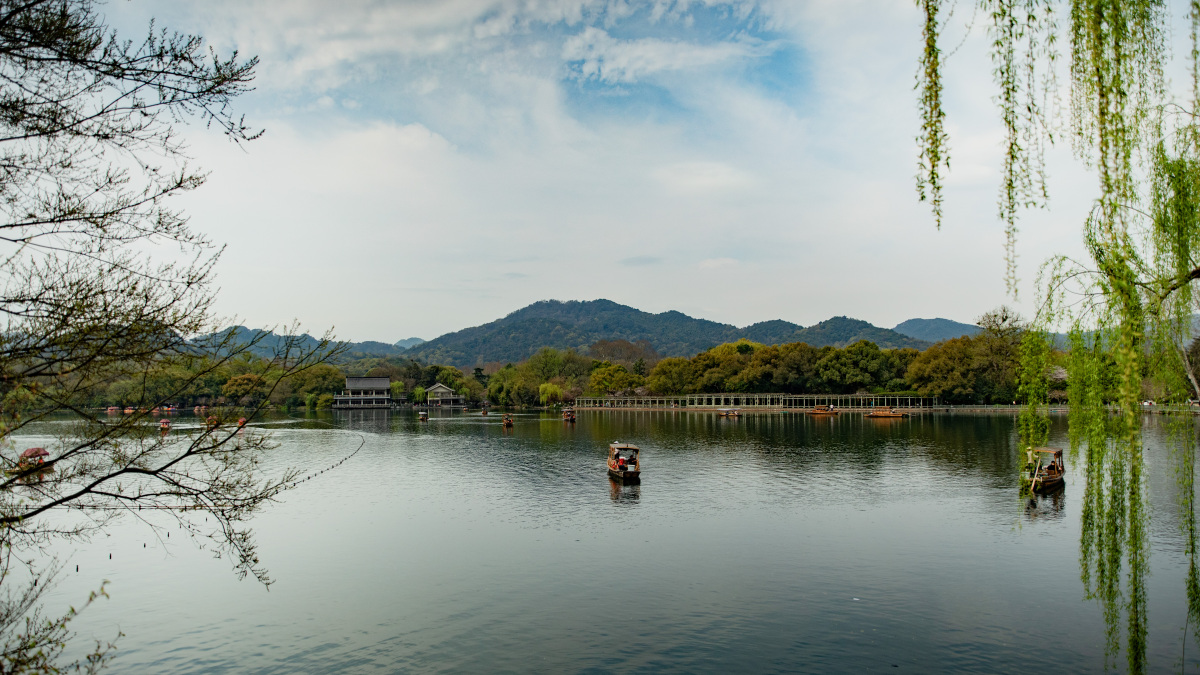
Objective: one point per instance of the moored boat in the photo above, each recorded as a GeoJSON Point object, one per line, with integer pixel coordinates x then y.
{"type": "Point", "coordinates": [623, 461]}
{"type": "Point", "coordinates": [1045, 470]}
{"type": "Point", "coordinates": [885, 412]}
{"type": "Point", "coordinates": [823, 410]}
{"type": "Point", "coordinates": [729, 412]}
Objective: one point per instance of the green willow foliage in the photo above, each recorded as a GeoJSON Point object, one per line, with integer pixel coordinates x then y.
{"type": "Point", "coordinates": [1129, 307]}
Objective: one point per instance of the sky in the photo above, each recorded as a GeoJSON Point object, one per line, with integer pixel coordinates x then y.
{"type": "Point", "coordinates": [432, 165]}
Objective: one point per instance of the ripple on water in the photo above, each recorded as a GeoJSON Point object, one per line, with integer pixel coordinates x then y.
{"type": "Point", "coordinates": [771, 543]}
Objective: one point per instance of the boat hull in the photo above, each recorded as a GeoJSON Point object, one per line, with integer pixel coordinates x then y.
{"type": "Point", "coordinates": [884, 416]}
{"type": "Point", "coordinates": [1049, 485]}
{"type": "Point", "coordinates": [628, 476]}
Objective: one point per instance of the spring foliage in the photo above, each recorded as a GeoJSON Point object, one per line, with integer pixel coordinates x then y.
{"type": "Point", "coordinates": [1129, 306]}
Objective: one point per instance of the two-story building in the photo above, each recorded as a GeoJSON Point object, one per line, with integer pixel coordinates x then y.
{"type": "Point", "coordinates": [365, 392]}
{"type": "Point", "coordinates": [441, 395]}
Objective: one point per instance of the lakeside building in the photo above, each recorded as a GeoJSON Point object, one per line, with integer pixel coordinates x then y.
{"type": "Point", "coordinates": [441, 395]}
{"type": "Point", "coordinates": [365, 392]}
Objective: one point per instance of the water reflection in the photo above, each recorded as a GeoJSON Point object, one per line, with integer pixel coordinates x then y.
{"type": "Point", "coordinates": [771, 543]}
{"type": "Point", "coordinates": [624, 493]}
{"type": "Point", "coordinates": [1045, 507]}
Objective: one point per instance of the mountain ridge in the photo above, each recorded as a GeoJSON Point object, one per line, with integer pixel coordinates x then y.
{"type": "Point", "coordinates": [935, 330]}
{"type": "Point", "coordinates": [575, 324]}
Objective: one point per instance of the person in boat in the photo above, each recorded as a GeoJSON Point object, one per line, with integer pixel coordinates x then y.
{"type": "Point", "coordinates": [620, 462]}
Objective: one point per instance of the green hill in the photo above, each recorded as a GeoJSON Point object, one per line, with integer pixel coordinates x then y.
{"type": "Point", "coordinates": [577, 324]}
{"type": "Point", "coordinates": [841, 331]}
{"type": "Point", "coordinates": [935, 330]}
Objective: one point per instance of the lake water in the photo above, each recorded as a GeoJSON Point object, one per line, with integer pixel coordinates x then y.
{"type": "Point", "coordinates": [773, 543]}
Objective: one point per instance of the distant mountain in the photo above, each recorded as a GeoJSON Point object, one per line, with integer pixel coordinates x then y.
{"type": "Point", "coordinates": [407, 343]}
{"type": "Point", "coordinates": [270, 343]}
{"type": "Point", "coordinates": [572, 325]}
{"type": "Point", "coordinates": [267, 345]}
{"type": "Point", "coordinates": [841, 331]}
{"type": "Point", "coordinates": [577, 324]}
{"type": "Point", "coordinates": [772, 332]}
{"type": "Point", "coordinates": [935, 330]}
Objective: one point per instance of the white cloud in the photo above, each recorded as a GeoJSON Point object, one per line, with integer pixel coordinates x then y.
{"type": "Point", "coordinates": [474, 175]}
{"type": "Point", "coordinates": [594, 54]}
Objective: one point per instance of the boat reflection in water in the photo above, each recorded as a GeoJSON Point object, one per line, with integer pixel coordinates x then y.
{"type": "Point", "coordinates": [1045, 507]}
{"type": "Point", "coordinates": [621, 491]}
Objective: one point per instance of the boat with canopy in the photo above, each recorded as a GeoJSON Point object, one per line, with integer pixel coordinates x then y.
{"type": "Point", "coordinates": [623, 461]}
{"type": "Point", "coordinates": [1045, 470]}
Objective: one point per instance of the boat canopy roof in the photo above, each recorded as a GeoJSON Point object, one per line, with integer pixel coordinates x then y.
{"type": "Point", "coordinates": [615, 445]}
{"type": "Point", "coordinates": [1049, 451]}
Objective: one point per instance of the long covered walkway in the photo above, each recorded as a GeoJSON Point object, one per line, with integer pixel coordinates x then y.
{"type": "Point", "coordinates": [761, 401]}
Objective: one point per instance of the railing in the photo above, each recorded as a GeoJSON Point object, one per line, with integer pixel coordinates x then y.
{"type": "Point", "coordinates": [757, 401]}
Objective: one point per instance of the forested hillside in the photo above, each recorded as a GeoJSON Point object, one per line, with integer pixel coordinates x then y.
{"type": "Point", "coordinates": [935, 330]}
{"type": "Point", "coordinates": [575, 325]}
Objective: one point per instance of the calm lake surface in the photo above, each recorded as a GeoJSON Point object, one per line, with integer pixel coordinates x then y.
{"type": "Point", "coordinates": [773, 543]}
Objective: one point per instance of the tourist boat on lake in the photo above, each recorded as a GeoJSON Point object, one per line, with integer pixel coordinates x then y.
{"type": "Point", "coordinates": [1047, 470]}
{"type": "Point", "coordinates": [823, 410]}
{"type": "Point", "coordinates": [883, 411]}
{"type": "Point", "coordinates": [422, 416]}
{"type": "Point", "coordinates": [729, 412]}
{"type": "Point", "coordinates": [31, 466]}
{"type": "Point", "coordinates": [32, 457]}
{"type": "Point", "coordinates": [568, 414]}
{"type": "Point", "coordinates": [623, 462]}
{"type": "Point", "coordinates": [507, 420]}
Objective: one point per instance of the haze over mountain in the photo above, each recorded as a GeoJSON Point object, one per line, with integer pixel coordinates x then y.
{"type": "Point", "coordinates": [577, 324]}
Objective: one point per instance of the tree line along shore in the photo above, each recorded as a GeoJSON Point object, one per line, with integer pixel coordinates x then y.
{"type": "Point", "coordinates": [979, 369]}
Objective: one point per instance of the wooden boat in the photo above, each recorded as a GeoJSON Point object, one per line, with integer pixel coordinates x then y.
{"type": "Point", "coordinates": [823, 410]}
{"type": "Point", "coordinates": [507, 421]}
{"type": "Point", "coordinates": [729, 412]}
{"type": "Point", "coordinates": [31, 466]}
{"type": "Point", "coordinates": [883, 411]}
{"type": "Point", "coordinates": [568, 414]}
{"type": "Point", "coordinates": [422, 416]}
{"type": "Point", "coordinates": [1046, 470]}
{"type": "Point", "coordinates": [623, 461]}
{"type": "Point", "coordinates": [31, 458]}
